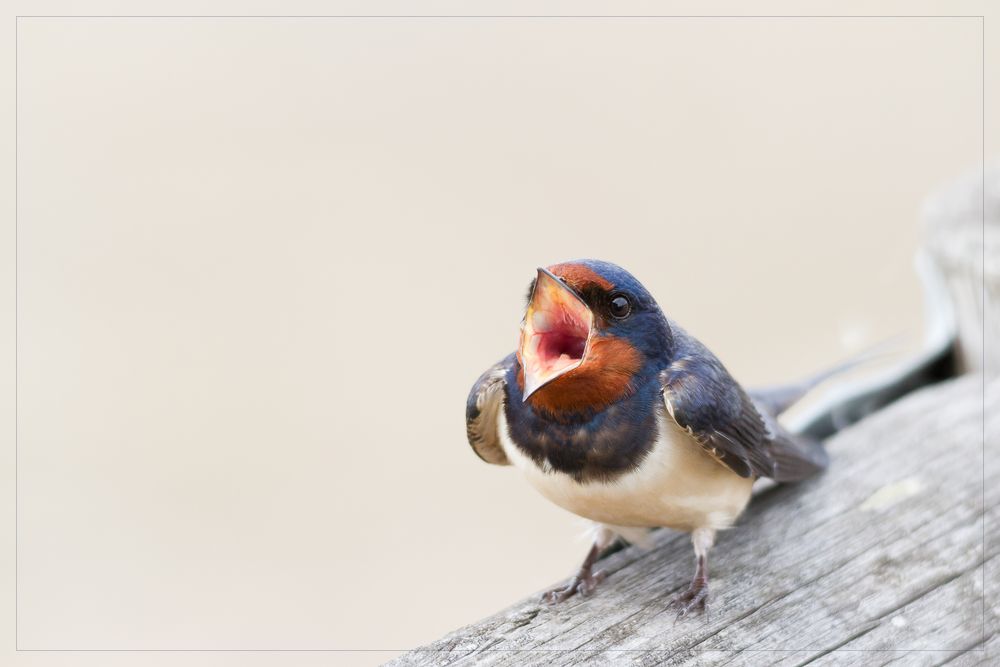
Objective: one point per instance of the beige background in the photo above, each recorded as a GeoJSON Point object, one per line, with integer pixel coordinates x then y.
{"type": "Point", "coordinates": [261, 261]}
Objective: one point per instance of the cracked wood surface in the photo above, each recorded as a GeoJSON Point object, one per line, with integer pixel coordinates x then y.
{"type": "Point", "coordinates": [879, 560]}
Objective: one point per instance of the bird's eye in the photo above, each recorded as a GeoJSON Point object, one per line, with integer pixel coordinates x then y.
{"type": "Point", "coordinates": [620, 306]}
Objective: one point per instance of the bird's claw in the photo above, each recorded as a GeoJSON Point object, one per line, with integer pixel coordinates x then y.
{"type": "Point", "coordinates": [693, 599]}
{"type": "Point", "coordinates": [583, 583]}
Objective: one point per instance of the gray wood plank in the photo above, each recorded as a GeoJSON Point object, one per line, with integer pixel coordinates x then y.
{"type": "Point", "coordinates": [879, 560]}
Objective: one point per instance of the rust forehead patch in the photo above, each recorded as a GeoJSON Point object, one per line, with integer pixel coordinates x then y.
{"type": "Point", "coordinates": [579, 277]}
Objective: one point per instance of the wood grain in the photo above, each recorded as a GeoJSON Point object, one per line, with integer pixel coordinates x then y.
{"type": "Point", "coordinates": [880, 559]}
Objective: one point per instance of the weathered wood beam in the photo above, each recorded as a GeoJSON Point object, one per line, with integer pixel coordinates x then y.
{"type": "Point", "coordinates": [879, 559]}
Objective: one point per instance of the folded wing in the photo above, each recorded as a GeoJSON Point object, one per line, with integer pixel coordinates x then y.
{"type": "Point", "coordinates": [483, 408]}
{"type": "Point", "coordinates": [704, 399]}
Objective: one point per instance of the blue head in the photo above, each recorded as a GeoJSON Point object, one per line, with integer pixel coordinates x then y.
{"type": "Point", "coordinates": [590, 332]}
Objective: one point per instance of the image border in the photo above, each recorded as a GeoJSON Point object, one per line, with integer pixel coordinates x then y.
{"type": "Point", "coordinates": [982, 566]}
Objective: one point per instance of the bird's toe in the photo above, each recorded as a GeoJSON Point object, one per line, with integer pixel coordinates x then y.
{"type": "Point", "coordinates": [584, 585]}
{"type": "Point", "coordinates": [557, 595]}
{"type": "Point", "coordinates": [693, 600]}
{"type": "Point", "coordinates": [588, 585]}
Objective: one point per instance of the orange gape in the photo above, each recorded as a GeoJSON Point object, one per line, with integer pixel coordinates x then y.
{"type": "Point", "coordinates": [603, 380]}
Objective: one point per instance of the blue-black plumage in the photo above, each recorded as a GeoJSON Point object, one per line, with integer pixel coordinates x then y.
{"type": "Point", "coordinates": [617, 414]}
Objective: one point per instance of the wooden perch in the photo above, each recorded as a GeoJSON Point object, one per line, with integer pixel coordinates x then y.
{"type": "Point", "coordinates": [883, 554]}
{"type": "Point", "coordinates": [880, 559]}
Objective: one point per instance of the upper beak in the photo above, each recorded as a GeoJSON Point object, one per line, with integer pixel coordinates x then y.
{"type": "Point", "coordinates": [555, 334]}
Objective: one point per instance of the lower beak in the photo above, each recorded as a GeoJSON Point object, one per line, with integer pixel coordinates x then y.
{"type": "Point", "coordinates": [555, 334]}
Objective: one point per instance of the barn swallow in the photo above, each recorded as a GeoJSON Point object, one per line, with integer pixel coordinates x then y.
{"type": "Point", "coordinates": [615, 413]}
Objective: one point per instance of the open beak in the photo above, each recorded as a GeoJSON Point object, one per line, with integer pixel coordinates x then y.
{"type": "Point", "coordinates": [555, 334]}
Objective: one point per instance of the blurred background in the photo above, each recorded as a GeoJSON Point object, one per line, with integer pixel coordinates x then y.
{"type": "Point", "coordinates": [261, 262]}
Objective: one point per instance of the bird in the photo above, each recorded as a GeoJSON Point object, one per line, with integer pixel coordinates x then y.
{"type": "Point", "coordinates": [612, 411]}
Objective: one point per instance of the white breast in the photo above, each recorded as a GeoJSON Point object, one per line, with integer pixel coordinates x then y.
{"type": "Point", "coordinates": [677, 486]}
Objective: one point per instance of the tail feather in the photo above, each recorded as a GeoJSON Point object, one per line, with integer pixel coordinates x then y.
{"type": "Point", "coordinates": [798, 451]}
{"type": "Point", "coordinates": [798, 457]}
{"type": "Point", "coordinates": [795, 456]}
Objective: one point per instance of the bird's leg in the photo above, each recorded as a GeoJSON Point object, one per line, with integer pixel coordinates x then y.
{"type": "Point", "coordinates": [585, 580]}
{"type": "Point", "coordinates": [696, 596]}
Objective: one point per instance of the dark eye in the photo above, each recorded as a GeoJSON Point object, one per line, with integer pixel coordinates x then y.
{"type": "Point", "coordinates": [620, 306]}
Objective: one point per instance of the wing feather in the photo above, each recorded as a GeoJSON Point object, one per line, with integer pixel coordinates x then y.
{"type": "Point", "coordinates": [482, 409]}
{"type": "Point", "coordinates": [704, 399]}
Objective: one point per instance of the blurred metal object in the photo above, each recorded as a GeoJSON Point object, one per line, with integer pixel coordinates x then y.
{"type": "Point", "coordinates": [846, 404]}
{"type": "Point", "coordinates": [959, 269]}
{"type": "Point", "coordinates": [961, 224]}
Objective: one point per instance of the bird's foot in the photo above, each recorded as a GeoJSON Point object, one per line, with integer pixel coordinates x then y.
{"type": "Point", "coordinates": [584, 583]}
{"type": "Point", "coordinates": [693, 599]}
